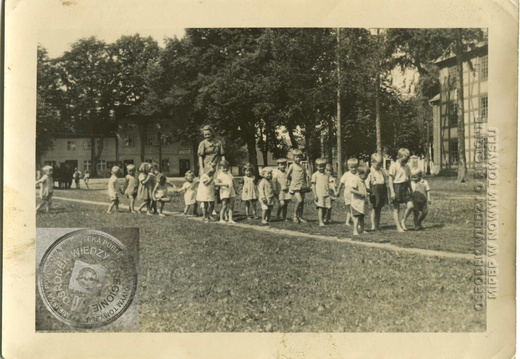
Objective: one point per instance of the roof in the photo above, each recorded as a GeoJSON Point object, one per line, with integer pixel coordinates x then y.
{"type": "Point", "coordinates": [83, 135]}
{"type": "Point", "coordinates": [479, 49]}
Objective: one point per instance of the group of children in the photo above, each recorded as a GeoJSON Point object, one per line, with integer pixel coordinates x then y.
{"type": "Point", "coordinates": [360, 184]}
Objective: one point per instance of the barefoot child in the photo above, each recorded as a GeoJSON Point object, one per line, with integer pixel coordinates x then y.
{"type": "Point", "coordinates": [46, 189]}
{"type": "Point", "coordinates": [345, 181]}
{"type": "Point", "coordinates": [227, 192]}
{"type": "Point", "coordinates": [145, 189]}
{"type": "Point", "coordinates": [190, 193]}
{"type": "Point", "coordinates": [160, 193]}
{"type": "Point", "coordinates": [86, 178]}
{"type": "Point", "coordinates": [249, 191]}
{"type": "Point", "coordinates": [281, 190]}
{"type": "Point", "coordinates": [399, 184]}
{"type": "Point", "coordinates": [297, 183]}
{"type": "Point", "coordinates": [321, 190]}
{"type": "Point", "coordinates": [332, 192]}
{"type": "Point", "coordinates": [358, 200]}
{"type": "Point", "coordinates": [377, 187]}
{"type": "Point", "coordinates": [130, 187]}
{"type": "Point", "coordinates": [420, 198]}
{"type": "Point", "coordinates": [114, 189]}
{"type": "Point", "coordinates": [266, 194]}
{"type": "Point", "coordinates": [206, 193]}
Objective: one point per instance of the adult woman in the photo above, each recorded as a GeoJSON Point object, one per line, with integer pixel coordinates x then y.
{"type": "Point", "coordinates": [211, 150]}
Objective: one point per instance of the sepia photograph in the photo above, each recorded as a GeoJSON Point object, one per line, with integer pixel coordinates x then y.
{"type": "Point", "coordinates": [284, 179]}
{"type": "Point", "coordinates": [260, 179]}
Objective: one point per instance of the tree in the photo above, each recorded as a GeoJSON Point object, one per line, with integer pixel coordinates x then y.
{"type": "Point", "coordinates": [88, 83]}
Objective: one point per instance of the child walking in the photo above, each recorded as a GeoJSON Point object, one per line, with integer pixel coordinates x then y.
{"type": "Point", "coordinates": [321, 189]}
{"type": "Point", "coordinates": [281, 190]}
{"type": "Point", "coordinates": [297, 183]}
{"type": "Point", "coordinates": [249, 191]}
{"type": "Point", "coordinates": [420, 198]}
{"type": "Point", "coordinates": [206, 193]}
{"type": "Point", "coordinates": [266, 194]}
{"type": "Point", "coordinates": [345, 182]}
{"type": "Point", "coordinates": [190, 193]}
{"type": "Point", "coordinates": [46, 183]}
{"type": "Point", "coordinates": [227, 192]}
{"type": "Point", "coordinates": [145, 189]}
{"type": "Point", "coordinates": [114, 189]}
{"type": "Point", "coordinates": [130, 187]}
{"type": "Point", "coordinates": [160, 193]}
{"type": "Point", "coordinates": [358, 200]}
{"type": "Point", "coordinates": [86, 178]}
{"type": "Point", "coordinates": [332, 190]}
{"type": "Point", "coordinates": [399, 184]}
{"type": "Point", "coordinates": [377, 186]}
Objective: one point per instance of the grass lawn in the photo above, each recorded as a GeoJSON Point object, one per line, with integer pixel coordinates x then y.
{"type": "Point", "coordinates": [197, 277]}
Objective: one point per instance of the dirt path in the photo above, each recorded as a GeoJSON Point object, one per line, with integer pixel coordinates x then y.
{"type": "Point", "coordinates": [285, 232]}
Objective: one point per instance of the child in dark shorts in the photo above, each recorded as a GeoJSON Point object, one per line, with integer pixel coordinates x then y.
{"type": "Point", "coordinates": [400, 190]}
{"type": "Point", "coordinates": [358, 200]}
{"type": "Point", "coordinates": [420, 198]}
{"type": "Point", "coordinates": [377, 186]}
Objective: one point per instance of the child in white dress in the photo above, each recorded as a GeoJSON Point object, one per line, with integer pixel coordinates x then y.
{"type": "Point", "coordinates": [190, 193]}
{"type": "Point", "coordinates": [249, 191]}
{"type": "Point", "coordinates": [46, 189]}
{"type": "Point", "coordinates": [206, 193]}
{"type": "Point", "coordinates": [358, 200]}
{"type": "Point", "coordinates": [114, 189]}
{"type": "Point", "coordinates": [345, 182]}
{"type": "Point", "coordinates": [227, 192]}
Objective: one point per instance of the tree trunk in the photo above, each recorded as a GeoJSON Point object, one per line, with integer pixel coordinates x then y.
{"type": "Point", "coordinates": [251, 150]}
{"type": "Point", "coordinates": [339, 139]}
{"type": "Point", "coordinates": [294, 143]}
{"type": "Point", "coordinates": [329, 142]}
{"type": "Point", "coordinates": [142, 134]}
{"type": "Point", "coordinates": [195, 157]}
{"type": "Point", "coordinates": [93, 158]}
{"type": "Point", "coordinates": [463, 169]}
{"type": "Point", "coordinates": [308, 135]}
{"type": "Point", "coordinates": [379, 147]}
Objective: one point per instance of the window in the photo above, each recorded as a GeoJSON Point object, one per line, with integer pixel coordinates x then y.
{"type": "Point", "coordinates": [102, 165]}
{"type": "Point", "coordinates": [129, 140]}
{"type": "Point", "coordinates": [163, 139]}
{"type": "Point", "coordinates": [86, 165]}
{"type": "Point", "coordinates": [484, 67]}
{"type": "Point", "coordinates": [453, 114]}
{"type": "Point", "coordinates": [454, 79]}
{"type": "Point", "coordinates": [71, 145]}
{"type": "Point", "coordinates": [454, 152]}
{"type": "Point", "coordinates": [165, 165]}
{"type": "Point", "coordinates": [484, 108]}
{"type": "Point", "coordinates": [86, 144]}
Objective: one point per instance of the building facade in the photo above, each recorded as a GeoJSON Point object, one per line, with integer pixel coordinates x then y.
{"type": "Point", "coordinates": [475, 85]}
{"type": "Point", "coordinates": [122, 149]}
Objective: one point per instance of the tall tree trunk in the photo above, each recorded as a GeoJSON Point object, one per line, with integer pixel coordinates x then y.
{"type": "Point", "coordinates": [251, 150]}
{"type": "Point", "coordinates": [329, 142]}
{"type": "Point", "coordinates": [463, 169]}
{"type": "Point", "coordinates": [195, 157]}
{"type": "Point", "coordinates": [308, 142]}
{"type": "Point", "coordinates": [142, 134]}
{"type": "Point", "coordinates": [378, 107]}
{"type": "Point", "coordinates": [339, 139]}
{"type": "Point", "coordinates": [290, 131]}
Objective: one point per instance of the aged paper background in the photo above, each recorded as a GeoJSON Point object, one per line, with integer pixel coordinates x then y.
{"type": "Point", "coordinates": [26, 18]}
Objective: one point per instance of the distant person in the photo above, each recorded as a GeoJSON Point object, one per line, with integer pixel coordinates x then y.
{"type": "Point", "coordinates": [345, 182]}
{"type": "Point", "coordinates": [281, 189]}
{"type": "Point", "coordinates": [297, 179]}
{"type": "Point", "coordinates": [77, 177]}
{"type": "Point", "coordinates": [249, 191]}
{"type": "Point", "coordinates": [114, 189]}
{"type": "Point", "coordinates": [358, 200]}
{"type": "Point", "coordinates": [130, 187]}
{"type": "Point", "coordinates": [420, 198]}
{"type": "Point", "coordinates": [86, 178]}
{"type": "Point", "coordinates": [377, 183]}
{"type": "Point", "coordinates": [46, 183]}
{"type": "Point", "coordinates": [224, 181]}
{"type": "Point", "coordinates": [321, 190]}
{"type": "Point", "coordinates": [400, 188]}
{"type": "Point", "coordinates": [266, 194]}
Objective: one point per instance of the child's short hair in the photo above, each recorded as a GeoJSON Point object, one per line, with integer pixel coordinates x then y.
{"type": "Point", "coordinates": [363, 169]}
{"type": "Point", "coordinates": [321, 161]}
{"type": "Point", "coordinates": [224, 163]}
{"type": "Point", "coordinates": [248, 167]}
{"type": "Point", "coordinates": [352, 162]}
{"type": "Point", "coordinates": [403, 153]}
{"type": "Point", "coordinates": [297, 152]}
{"type": "Point", "coordinates": [416, 171]}
{"type": "Point", "coordinates": [46, 168]}
{"type": "Point", "coordinates": [328, 167]}
{"type": "Point", "coordinates": [376, 157]}
{"type": "Point", "coordinates": [265, 171]}
{"type": "Point", "coordinates": [130, 168]}
{"type": "Point", "coordinates": [281, 161]}
{"type": "Point", "coordinates": [161, 178]}
{"type": "Point", "coordinates": [208, 128]}
{"type": "Point", "coordinates": [142, 166]}
{"type": "Point", "coordinates": [115, 170]}
{"type": "Point", "coordinates": [188, 173]}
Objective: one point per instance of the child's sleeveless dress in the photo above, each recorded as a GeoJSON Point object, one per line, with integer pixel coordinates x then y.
{"type": "Point", "coordinates": [145, 190]}
{"type": "Point", "coordinates": [249, 191]}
